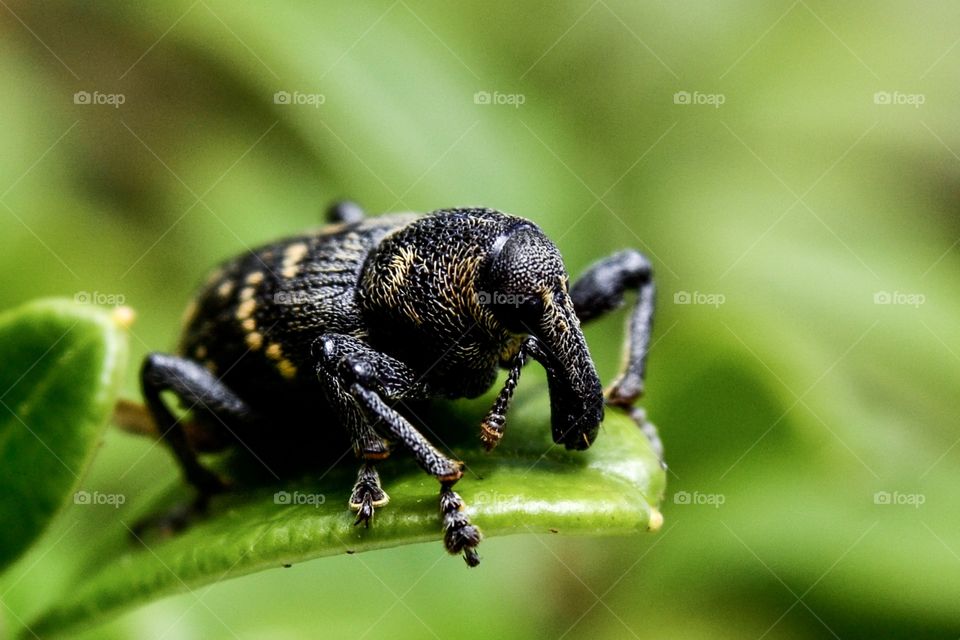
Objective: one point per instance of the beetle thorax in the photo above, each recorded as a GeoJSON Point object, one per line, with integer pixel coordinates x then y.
{"type": "Point", "coordinates": [420, 296]}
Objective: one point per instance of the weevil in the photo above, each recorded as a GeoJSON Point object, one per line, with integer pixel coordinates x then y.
{"type": "Point", "coordinates": [326, 337]}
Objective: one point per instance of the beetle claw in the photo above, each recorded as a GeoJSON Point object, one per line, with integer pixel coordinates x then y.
{"type": "Point", "coordinates": [365, 511]}
{"type": "Point", "coordinates": [367, 495]}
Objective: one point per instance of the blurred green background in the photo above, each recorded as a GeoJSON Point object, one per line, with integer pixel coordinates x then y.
{"type": "Point", "coordinates": [792, 169]}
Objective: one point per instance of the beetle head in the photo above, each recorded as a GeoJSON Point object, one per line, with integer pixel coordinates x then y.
{"type": "Point", "coordinates": [525, 287]}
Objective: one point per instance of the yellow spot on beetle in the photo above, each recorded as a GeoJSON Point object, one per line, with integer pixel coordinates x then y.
{"type": "Point", "coordinates": [200, 352]}
{"type": "Point", "coordinates": [274, 351]}
{"type": "Point", "coordinates": [245, 309]}
{"type": "Point", "coordinates": [287, 369]}
{"type": "Point", "coordinates": [249, 325]}
{"type": "Point", "coordinates": [292, 257]}
{"type": "Point", "coordinates": [254, 278]}
{"type": "Point", "coordinates": [225, 289]}
{"type": "Point", "coordinates": [254, 340]}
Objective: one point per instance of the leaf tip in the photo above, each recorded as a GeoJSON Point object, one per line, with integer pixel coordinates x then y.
{"type": "Point", "coordinates": [123, 316]}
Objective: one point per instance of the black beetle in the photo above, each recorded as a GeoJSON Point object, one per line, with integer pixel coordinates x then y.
{"type": "Point", "coordinates": [344, 325]}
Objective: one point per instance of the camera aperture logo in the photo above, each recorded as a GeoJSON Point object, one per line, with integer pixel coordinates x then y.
{"type": "Point", "coordinates": [515, 100]}
{"type": "Point", "coordinates": [96, 498]}
{"type": "Point", "coordinates": [99, 99]}
{"type": "Point", "coordinates": [299, 498]}
{"type": "Point", "coordinates": [298, 98]}
{"type": "Point", "coordinates": [696, 98]}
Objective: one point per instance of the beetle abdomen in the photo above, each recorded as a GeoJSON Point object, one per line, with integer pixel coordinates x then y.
{"type": "Point", "coordinates": [254, 321]}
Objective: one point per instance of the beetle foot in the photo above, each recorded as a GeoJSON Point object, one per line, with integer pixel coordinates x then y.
{"type": "Point", "coordinates": [639, 417]}
{"type": "Point", "coordinates": [625, 391]}
{"type": "Point", "coordinates": [367, 495]}
{"type": "Point", "coordinates": [459, 534]}
{"type": "Point", "coordinates": [491, 431]}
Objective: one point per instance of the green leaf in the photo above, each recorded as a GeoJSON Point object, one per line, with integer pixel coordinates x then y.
{"type": "Point", "coordinates": [526, 485]}
{"type": "Point", "coordinates": [60, 365]}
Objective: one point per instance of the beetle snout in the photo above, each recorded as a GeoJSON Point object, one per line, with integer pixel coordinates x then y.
{"type": "Point", "coordinates": [576, 427]}
{"type": "Point", "coordinates": [576, 395]}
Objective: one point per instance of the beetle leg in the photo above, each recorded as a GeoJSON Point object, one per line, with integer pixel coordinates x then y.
{"type": "Point", "coordinates": [491, 429]}
{"type": "Point", "coordinates": [197, 387]}
{"type": "Point", "coordinates": [460, 536]}
{"type": "Point", "coordinates": [136, 419]}
{"type": "Point", "coordinates": [370, 377]}
{"type": "Point", "coordinates": [194, 386]}
{"type": "Point", "coordinates": [345, 212]}
{"type": "Point", "coordinates": [399, 428]}
{"type": "Point", "coordinates": [332, 353]}
{"type": "Point", "coordinates": [366, 442]}
{"type": "Point", "coordinates": [601, 289]}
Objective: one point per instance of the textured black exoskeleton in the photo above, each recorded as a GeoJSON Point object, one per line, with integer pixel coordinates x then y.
{"type": "Point", "coordinates": [328, 335]}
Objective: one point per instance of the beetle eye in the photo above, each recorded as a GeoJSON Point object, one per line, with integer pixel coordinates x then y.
{"type": "Point", "coordinates": [519, 313]}
{"type": "Point", "coordinates": [519, 280]}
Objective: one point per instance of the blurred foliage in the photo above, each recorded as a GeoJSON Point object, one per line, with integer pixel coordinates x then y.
{"type": "Point", "coordinates": [61, 368]}
{"type": "Point", "coordinates": [802, 200]}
